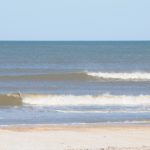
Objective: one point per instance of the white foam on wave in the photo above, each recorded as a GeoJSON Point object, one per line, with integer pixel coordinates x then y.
{"type": "Point", "coordinates": [121, 75]}
{"type": "Point", "coordinates": [86, 100]}
{"type": "Point", "coordinates": [102, 111]}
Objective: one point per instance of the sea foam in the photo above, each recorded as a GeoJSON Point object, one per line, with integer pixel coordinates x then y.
{"type": "Point", "coordinates": [86, 100]}
{"type": "Point", "coordinates": [121, 76]}
{"type": "Point", "coordinates": [74, 100]}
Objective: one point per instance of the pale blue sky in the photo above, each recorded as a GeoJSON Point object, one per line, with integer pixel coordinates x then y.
{"type": "Point", "coordinates": [74, 19]}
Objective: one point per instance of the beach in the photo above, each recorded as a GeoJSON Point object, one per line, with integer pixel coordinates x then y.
{"type": "Point", "coordinates": [82, 137]}
{"type": "Point", "coordinates": [75, 75]}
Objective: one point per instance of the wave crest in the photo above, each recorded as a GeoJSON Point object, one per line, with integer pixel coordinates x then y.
{"type": "Point", "coordinates": [86, 100]}
{"type": "Point", "coordinates": [121, 76]}
{"type": "Point", "coordinates": [80, 76]}
{"type": "Point", "coordinates": [73, 100]}
{"type": "Point", "coordinates": [10, 100]}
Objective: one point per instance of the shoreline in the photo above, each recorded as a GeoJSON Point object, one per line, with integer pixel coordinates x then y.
{"type": "Point", "coordinates": [79, 137]}
{"type": "Point", "coordinates": [87, 126]}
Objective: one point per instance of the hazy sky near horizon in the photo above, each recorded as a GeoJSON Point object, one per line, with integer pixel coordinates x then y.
{"type": "Point", "coordinates": [75, 20]}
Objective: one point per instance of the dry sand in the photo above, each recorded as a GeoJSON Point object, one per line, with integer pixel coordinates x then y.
{"type": "Point", "coordinates": [75, 138]}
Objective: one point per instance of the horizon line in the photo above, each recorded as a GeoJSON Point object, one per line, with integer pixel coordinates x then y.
{"type": "Point", "coordinates": [74, 40]}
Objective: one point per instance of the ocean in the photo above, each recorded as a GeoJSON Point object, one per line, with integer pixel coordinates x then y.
{"type": "Point", "coordinates": [80, 82]}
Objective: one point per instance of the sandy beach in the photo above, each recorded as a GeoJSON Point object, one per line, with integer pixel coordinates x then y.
{"type": "Point", "coordinates": [75, 138]}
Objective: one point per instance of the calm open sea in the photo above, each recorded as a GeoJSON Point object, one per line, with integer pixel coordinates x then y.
{"type": "Point", "coordinates": [74, 82]}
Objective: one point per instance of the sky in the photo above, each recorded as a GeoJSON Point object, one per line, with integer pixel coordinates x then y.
{"type": "Point", "coordinates": [75, 20]}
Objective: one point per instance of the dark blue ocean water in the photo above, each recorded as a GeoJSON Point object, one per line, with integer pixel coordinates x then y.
{"type": "Point", "coordinates": [82, 82]}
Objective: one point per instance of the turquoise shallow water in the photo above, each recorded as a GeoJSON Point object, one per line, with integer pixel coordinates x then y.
{"type": "Point", "coordinates": [82, 82]}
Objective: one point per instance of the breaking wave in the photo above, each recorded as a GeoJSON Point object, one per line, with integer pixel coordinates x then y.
{"type": "Point", "coordinates": [10, 100]}
{"type": "Point", "coordinates": [72, 100]}
{"type": "Point", "coordinates": [86, 100]}
{"type": "Point", "coordinates": [121, 76]}
{"type": "Point", "coordinates": [79, 76]}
